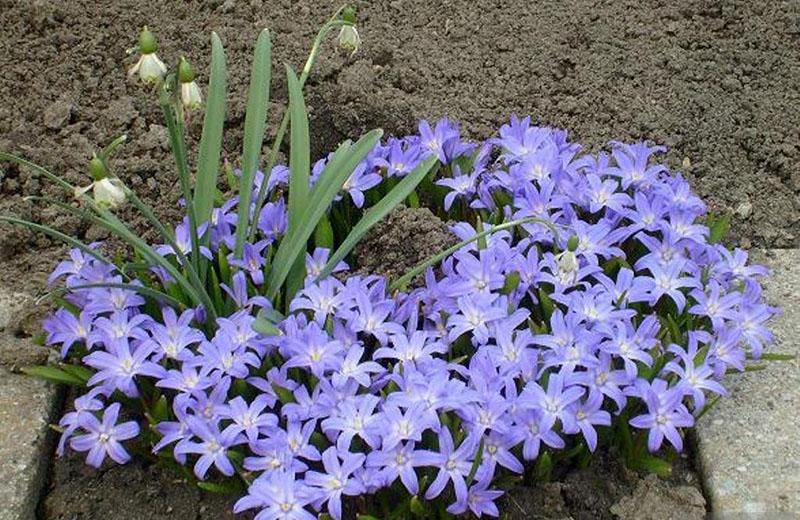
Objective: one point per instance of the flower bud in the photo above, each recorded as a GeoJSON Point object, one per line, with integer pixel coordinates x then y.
{"type": "Point", "coordinates": [190, 91]}
{"type": "Point", "coordinates": [567, 261]}
{"type": "Point", "coordinates": [147, 42]}
{"type": "Point", "coordinates": [97, 168]}
{"type": "Point", "coordinates": [573, 243]}
{"type": "Point", "coordinates": [150, 68]}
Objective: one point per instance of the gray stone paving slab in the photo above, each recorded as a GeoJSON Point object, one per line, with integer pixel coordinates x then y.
{"type": "Point", "coordinates": [749, 444]}
{"type": "Point", "coordinates": [27, 406]}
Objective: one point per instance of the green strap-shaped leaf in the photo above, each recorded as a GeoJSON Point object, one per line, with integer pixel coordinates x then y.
{"type": "Point", "coordinates": [255, 123]}
{"type": "Point", "coordinates": [211, 138]}
{"type": "Point", "coordinates": [55, 375]}
{"type": "Point", "coordinates": [299, 154]}
{"type": "Point", "coordinates": [47, 230]}
{"type": "Point", "coordinates": [378, 211]}
{"type": "Point", "coordinates": [145, 291]}
{"type": "Point", "coordinates": [331, 180]}
{"type": "Point", "coordinates": [38, 169]}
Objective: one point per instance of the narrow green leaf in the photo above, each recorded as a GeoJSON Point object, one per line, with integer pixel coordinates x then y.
{"type": "Point", "coordinates": [660, 467]}
{"type": "Point", "coordinates": [719, 228]}
{"type": "Point", "coordinates": [79, 371]}
{"type": "Point", "coordinates": [776, 356]}
{"type": "Point", "coordinates": [211, 138]}
{"type": "Point", "coordinates": [401, 282]}
{"type": "Point", "coordinates": [299, 153]}
{"type": "Point", "coordinates": [337, 171]}
{"type": "Point", "coordinates": [145, 291]}
{"type": "Point", "coordinates": [255, 123]}
{"type": "Point", "coordinates": [547, 304]}
{"type": "Point", "coordinates": [264, 326]}
{"type": "Point", "coordinates": [178, 144]}
{"type": "Point", "coordinates": [160, 411]}
{"type": "Point", "coordinates": [323, 233]}
{"type": "Point", "coordinates": [38, 169]}
{"type": "Point", "coordinates": [285, 396]}
{"type": "Point", "coordinates": [229, 487]}
{"type": "Point", "coordinates": [477, 462]}
{"type": "Point", "coordinates": [374, 215]}
{"type": "Point", "coordinates": [47, 230]}
{"type": "Point", "coordinates": [53, 374]}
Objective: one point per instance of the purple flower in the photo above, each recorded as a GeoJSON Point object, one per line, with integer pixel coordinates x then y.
{"type": "Point", "coordinates": [353, 368]}
{"type": "Point", "coordinates": [274, 220]}
{"type": "Point", "coordinates": [252, 260]}
{"type": "Point", "coordinates": [462, 186]}
{"type": "Point", "coordinates": [415, 349]}
{"type": "Point", "coordinates": [454, 465]}
{"type": "Point", "coordinates": [395, 426]}
{"type": "Point", "coordinates": [402, 158]}
{"type": "Point", "coordinates": [212, 448]}
{"type": "Point", "coordinates": [354, 417]}
{"type": "Point", "coordinates": [316, 262]}
{"type": "Point", "coordinates": [556, 400]}
{"type": "Point", "coordinates": [434, 140]}
{"type": "Point", "coordinates": [71, 421]}
{"type": "Point", "coordinates": [104, 437]}
{"type": "Point", "coordinates": [372, 318]}
{"type": "Point", "coordinates": [632, 166]}
{"type": "Point", "coordinates": [279, 495]}
{"type": "Point", "coordinates": [583, 417]}
{"type": "Point", "coordinates": [183, 240]}
{"type": "Point", "coordinates": [665, 413]}
{"type": "Point", "coordinates": [337, 479]}
{"type": "Point", "coordinates": [118, 367]}
{"type": "Point", "coordinates": [668, 280]}
{"type": "Point", "coordinates": [65, 328]}
{"type": "Point", "coordinates": [399, 462]}
{"type": "Point", "coordinates": [481, 499]}
{"type": "Point", "coordinates": [476, 313]}
{"type": "Point", "coordinates": [533, 428]}
{"type": "Point", "coordinates": [250, 419]}
{"type": "Point", "coordinates": [240, 296]}
{"type": "Point", "coordinates": [359, 182]}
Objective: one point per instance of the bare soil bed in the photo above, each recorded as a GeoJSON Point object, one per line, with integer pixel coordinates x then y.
{"type": "Point", "coordinates": [715, 82]}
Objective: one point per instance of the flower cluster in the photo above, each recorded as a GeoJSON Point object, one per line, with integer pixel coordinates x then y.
{"type": "Point", "coordinates": [609, 307]}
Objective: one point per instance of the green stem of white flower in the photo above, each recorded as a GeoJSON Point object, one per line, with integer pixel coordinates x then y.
{"type": "Point", "coordinates": [333, 23]}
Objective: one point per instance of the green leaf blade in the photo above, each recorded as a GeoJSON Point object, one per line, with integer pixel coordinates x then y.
{"type": "Point", "coordinates": [337, 171]}
{"type": "Point", "coordinates": [398, 194]}
{"type": "Point", "coordinates": [211, 138]}
{"type": "Point", "coordinates": [255, 124]}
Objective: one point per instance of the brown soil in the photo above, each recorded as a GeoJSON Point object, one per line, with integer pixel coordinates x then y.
{"type": "Point", "coordinates": [607, 490]}
{"type": "Point", "coordinates": [130, 492]}
{"type": "Point", "coordinates": [715, 82]}
{"type": "Point", "coordinates": [406, 237]}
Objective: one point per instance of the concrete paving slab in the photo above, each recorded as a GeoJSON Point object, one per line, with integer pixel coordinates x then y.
{"type": "Point", "coordinates": [749, 444]}
{"type": "Point", "coordinates": [27, 406]}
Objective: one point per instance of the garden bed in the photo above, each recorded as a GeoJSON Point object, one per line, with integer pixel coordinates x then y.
{"type": "Point", "coordinates": [394, 93]}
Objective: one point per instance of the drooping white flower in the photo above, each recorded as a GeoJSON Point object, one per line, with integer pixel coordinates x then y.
{"type": "Point", "coordinates": [150, 68]}
{"type": "Point", "coordinates": [349, 38]}
{"type": "Point", "coordinates": [191, 98]}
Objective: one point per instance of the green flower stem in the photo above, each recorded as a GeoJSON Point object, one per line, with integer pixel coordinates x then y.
{"type": "Point", "coordinates": [178, 143]}
{"type": "Point", "coordinates": [194, 276]}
